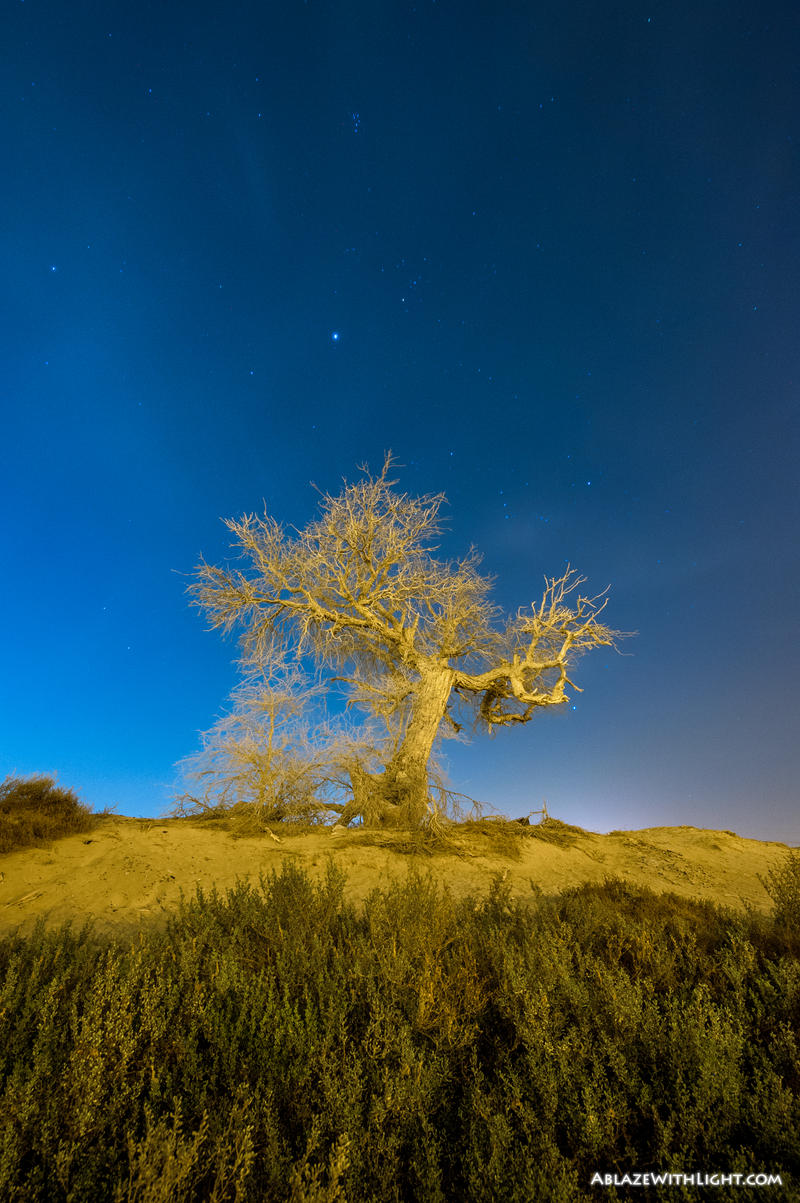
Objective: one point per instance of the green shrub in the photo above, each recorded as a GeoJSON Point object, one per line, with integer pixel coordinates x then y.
{"type": "Point", "coordinates": [783, 886]}
{"type": "Point", "coordinates": [280, 1044]}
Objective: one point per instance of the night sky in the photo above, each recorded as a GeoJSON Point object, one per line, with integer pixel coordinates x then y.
{"type": "Point", "coordinates": [546, 253]}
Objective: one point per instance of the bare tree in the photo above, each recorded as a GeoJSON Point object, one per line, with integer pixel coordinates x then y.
{"type": "Point", "coordinates": [260, 755]}
{"type": "Point", "coordinates": [414, 638]}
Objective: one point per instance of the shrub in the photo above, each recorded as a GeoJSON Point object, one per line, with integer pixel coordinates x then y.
{"type": "Point", "coordinates": [35, 811]}
{"type": "Point", "coordinates": [783, 886]}
{"type": "Point", "coordinates": [282, 1044]}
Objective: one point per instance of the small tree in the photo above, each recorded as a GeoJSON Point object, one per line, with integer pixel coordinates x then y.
{"type": "Point", "coordinates": [261, 755]}
{"type": "Point", "coordinates": [359, 590]}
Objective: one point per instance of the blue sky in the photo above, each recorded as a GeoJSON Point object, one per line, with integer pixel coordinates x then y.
{"type": "Point", "coordinates": [559, 250]}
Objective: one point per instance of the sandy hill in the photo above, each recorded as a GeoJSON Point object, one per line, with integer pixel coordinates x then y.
{"type": "Point", "coordinates": [130, 871]}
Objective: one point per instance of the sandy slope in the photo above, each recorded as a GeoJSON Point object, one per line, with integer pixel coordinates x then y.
{"type": "Point", "coordinates": [131, 870]}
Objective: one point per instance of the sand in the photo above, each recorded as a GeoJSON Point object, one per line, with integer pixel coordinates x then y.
{"type": "Point", "coordinates": [129, 872]}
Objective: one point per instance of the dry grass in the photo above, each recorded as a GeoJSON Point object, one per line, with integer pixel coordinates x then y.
{"type": "Point", "coordinates": [36, 811]}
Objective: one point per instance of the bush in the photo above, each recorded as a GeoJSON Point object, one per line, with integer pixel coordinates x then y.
{"type": "Point", "coordinates": [36, 811]}
{"type": "Point", "coordinates": [280, 1044]}
{"type": "Point", "coordinates": [783, 886]}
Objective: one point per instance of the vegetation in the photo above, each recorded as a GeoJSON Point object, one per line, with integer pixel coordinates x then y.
{"type": "Point", "coordinates": [415, 640]}
{"type": "Point", "coordinates": [280, 1044]}
{"type": "Point", "coordinates": [35, 811]}
{"type": "Point", "coordinates": [783, 886]}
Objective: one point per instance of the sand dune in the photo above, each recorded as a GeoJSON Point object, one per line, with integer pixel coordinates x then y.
{"type": "Point", "coordinates": [130, 871]}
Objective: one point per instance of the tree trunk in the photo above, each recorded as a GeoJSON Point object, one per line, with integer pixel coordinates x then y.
{"type": "Point", "coordinates": [398, 796]}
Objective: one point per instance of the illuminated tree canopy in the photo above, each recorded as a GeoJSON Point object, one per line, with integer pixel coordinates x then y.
{"type": "Point", "coordinates": [415, 640]}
